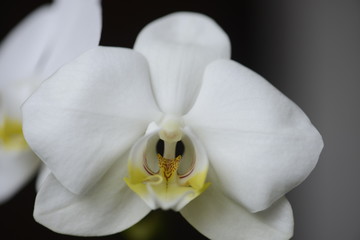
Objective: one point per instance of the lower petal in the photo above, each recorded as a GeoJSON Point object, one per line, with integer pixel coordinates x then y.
{"type": "Point", "coordinates": [44, 172]}
{"type": "Point", "coordinates": [218, 217]}
{"type": "Point", "coordinates": [109, 207]}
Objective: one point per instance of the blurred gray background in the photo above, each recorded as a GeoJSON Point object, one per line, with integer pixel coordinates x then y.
{"type": "Point", "coordinates": [310, 50]}
{"type": "Point", "coordinates": [322, 75]}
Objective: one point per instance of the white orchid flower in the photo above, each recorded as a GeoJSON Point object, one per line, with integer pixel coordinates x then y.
{"type": "Point", "coordinates": [46, 39]}
{"type": "Point", "coordinates": [173, 124]}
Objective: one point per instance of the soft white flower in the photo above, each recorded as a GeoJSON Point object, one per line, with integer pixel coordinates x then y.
{"type": "Point", "coordinates": [173, 124]}
{"type": "Point", "coordinates": [46, 39]}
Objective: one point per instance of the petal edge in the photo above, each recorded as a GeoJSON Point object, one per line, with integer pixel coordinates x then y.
{"type": "Point", "coordinates": [254, 135]}
{"type": "Point", "coordinates": [88, 114]}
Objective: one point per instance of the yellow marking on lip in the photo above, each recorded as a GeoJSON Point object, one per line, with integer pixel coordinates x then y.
{"type": "Point", "coordinates": [168, 166]}
{"type": "Point", "coordinates": [155, 188]}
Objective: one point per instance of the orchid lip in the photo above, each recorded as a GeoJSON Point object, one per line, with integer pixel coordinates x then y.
{"type": "Point", "coordinates": [165, 167]}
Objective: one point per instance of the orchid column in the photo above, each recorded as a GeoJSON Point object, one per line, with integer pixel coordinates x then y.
{"type": "Point", "coordinates": [173, 124]}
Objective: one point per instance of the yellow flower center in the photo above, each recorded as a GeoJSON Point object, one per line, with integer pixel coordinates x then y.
{"type": "Point", "coordinates": [11, 135]}
{"type": "Point", "coordinates": [164, 169]}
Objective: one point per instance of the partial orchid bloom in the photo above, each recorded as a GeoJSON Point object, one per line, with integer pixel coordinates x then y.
{"type": "Point", "coordinates": [49, 37]}
{"type": "Point", "coordinates": [173, 124]}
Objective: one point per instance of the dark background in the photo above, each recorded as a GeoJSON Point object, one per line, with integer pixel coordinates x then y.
{"type": "Point", "coordinates": [310, 50]}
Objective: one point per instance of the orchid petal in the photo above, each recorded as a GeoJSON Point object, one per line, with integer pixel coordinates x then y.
{"type": "Point", "coordinates": [178, 47]}
{"type": "Point", "coordinates": [49, 37]}
{"type": "Point", "coordinates": [109, 207]}
{"type": "Point", "coordinates": [43, 173]}
{"type": "Point", "coordinates": [89, 113]}
{"type": "Point", "coordinates": [260, 144]}
{"type": "Point", "coordinates": [13, 95]}
{"type": "Point", "coordinates": [16, 168]}
{"type": "Point", "coordinates": [76, 28]}
{"type": "Point", "coordinates": [24, 46]}
{"type": "Point", "coordinates": [218, 217]}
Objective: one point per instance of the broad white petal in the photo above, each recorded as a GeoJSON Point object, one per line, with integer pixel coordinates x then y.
{"type": "Point", "coordinates": [109, 207]}
{"type": "Point", "coordinates": [260, 144]}
{"type": "Point", "coordinates": [89, 113]}
{"type": "Point", "coordinates": [21, 50]}
{"type": "Point", "coordinates": [178, 47]}
{"type": "Point", "coordinates": [48, 38]}
{"type": "Point", "coordinates": [76, 27]}
{"type": "Point", "coordinates": [16, 169]}
{"type": "Point", "coordinates": [43, 173]}
{"type": "Point", "coordinates": [13, 95]}
{"type": "Point", "coordinates": [218, 217]}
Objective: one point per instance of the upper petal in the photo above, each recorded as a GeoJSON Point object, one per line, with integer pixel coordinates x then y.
{"type": "Point", "coordinates": [178, 47]}
{"type": "Point", "coordinates": [49, 37]}
{"type": "Point", "coordinates": [109, 207]}
{"type": "Point", "coordinates": [75, 28]}
{"type": "Point", "coordinates": [218, 217]}
{"type": "Point", "coordinates": [16, 168]}
{"type": "Point", "coordinates": [89, 113]}
{"type": "Point", "coordinates": [260, 144]}
{"type": "Point", "coordinates": [23, 46]}
{"type": "Point", "coordinates": [13, 95]}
